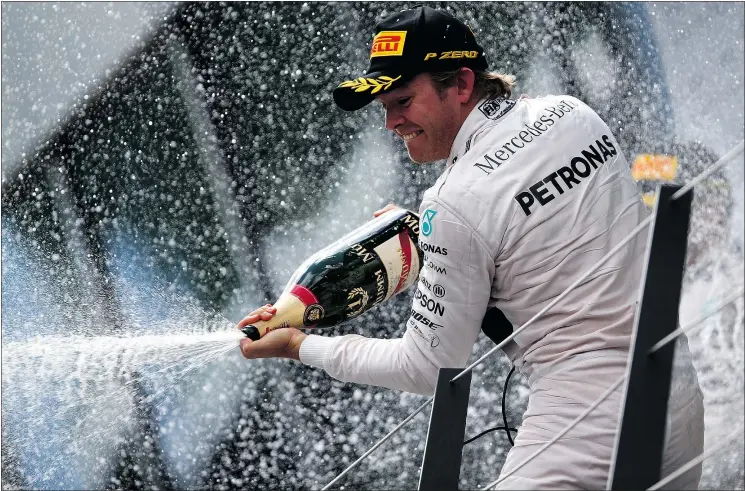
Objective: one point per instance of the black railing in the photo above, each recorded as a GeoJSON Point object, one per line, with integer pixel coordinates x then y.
{"type": "Point", "coordinates": [640, 440]}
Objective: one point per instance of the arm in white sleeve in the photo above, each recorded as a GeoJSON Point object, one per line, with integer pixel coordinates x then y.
{"type": "Point", "coordinates": [452, 295]}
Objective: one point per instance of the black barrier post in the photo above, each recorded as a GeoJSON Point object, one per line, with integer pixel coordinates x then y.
{"type": "Point", "coordinates": [447, 428]}
{"type": "Point", "coordinates": [637, 457]}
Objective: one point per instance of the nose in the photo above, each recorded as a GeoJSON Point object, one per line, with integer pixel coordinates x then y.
{"type": "Point", "coordinates": [393, 118]}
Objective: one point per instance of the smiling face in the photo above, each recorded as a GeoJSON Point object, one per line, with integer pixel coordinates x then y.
{"type": "Point", "coordinates": [425, 119]}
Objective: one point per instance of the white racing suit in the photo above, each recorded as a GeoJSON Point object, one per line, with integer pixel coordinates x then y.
{"type": "Point", "coordinates": [536, 191]}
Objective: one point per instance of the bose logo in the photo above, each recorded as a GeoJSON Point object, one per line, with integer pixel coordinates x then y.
{"type": "Point", "coordinates": [424, 321]}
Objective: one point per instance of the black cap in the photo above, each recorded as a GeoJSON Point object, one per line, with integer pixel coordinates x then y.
{"type": "Point", "coordinates": [406, 44]}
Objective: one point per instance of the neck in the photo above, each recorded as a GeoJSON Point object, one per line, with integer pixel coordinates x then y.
{"type": "Point", "coordinates": [465, 111]}
{"type": "Point", "coordinates": [467, 108]}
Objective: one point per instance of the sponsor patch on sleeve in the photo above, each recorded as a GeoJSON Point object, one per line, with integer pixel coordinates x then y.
{"type": "Point", "coordinates": [496, 107]}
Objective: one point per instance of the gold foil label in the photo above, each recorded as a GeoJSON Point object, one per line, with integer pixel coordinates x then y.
{"type": "Point", "coordinates": [290, 312]}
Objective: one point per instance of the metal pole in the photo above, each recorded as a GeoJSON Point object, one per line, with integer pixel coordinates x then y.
{"type": "Point", "coordinates": [447, 428]}
{"type": "Point", "coordinates": [637, 457]}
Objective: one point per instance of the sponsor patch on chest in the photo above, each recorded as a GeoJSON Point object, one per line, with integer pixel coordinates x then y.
{"type": "Point", "coordinates": [445, 243]}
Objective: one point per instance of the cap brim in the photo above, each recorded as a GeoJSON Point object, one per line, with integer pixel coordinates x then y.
{"type": "Point", "coordinates": [357, 93]}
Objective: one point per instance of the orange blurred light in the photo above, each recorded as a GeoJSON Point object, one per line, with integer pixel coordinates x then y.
{"type": "Point", "coordinates": [649, 166]}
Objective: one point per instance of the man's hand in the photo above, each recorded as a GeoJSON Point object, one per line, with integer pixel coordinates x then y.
{"type": "Point", "coordinates": [281, 343]}
{"type": "Point", "coordinates": [388, 207]}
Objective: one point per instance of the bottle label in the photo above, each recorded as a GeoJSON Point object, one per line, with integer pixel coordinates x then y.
{"type": "Point", "coordinates": [313, 314]}
{"type": "Point", "coordinates": [292, 308]}
{"type": "Point", "coordinates": [357, 272]}
{"type": "Point", "coordinates": [297, 307]}
{"type": "Point", "coordinates": [304, 295]}
{"type": "Point", "coordinates": [411, 221]}
{"type": "Point", "coordinates": [357, 300]}
{"type": "Point", "coordinates": [313, 310]}
{"type": "Point", "coordinates": [401, 263]}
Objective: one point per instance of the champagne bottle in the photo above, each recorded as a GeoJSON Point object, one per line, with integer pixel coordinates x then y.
{"type": "Point", "coordinates": [354, 274]}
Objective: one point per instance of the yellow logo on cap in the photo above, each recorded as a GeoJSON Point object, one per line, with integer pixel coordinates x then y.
{"type": "Point", "coordinates": [654, 167]}
{"type": "Point", "coordinates": [374, 85]}
{"type": "Point", "coordinates": [451, 55]}
{"type": "Point", "coordinates": [388, 43]}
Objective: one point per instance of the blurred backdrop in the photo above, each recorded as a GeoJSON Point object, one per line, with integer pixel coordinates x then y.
{"type": "Point", "coordinates": [166, 166]}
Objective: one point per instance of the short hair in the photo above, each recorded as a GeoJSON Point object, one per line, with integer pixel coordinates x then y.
{"type": "Point", "coordinates": [485, 84]}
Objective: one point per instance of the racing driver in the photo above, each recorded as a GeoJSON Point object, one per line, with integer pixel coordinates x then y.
{"type": "Point", "coordinates": [535, 191]}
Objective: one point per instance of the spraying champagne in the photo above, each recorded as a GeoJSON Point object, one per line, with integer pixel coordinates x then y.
{"type": "Point", "coordinates": [354, 274]}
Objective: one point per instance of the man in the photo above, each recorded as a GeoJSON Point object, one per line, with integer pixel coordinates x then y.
{"type": "Point", "coordinates": [534, 193]}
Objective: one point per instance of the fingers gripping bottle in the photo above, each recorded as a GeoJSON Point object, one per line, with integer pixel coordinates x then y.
{"type": "Point", "coordinates": [354, 274]}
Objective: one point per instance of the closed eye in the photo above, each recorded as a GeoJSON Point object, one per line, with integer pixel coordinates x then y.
{"type": "Point", "coordinates": [404, 101]}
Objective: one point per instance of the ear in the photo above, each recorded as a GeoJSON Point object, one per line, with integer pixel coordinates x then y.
{"type": "Point", "coordinates": [465, 81]}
